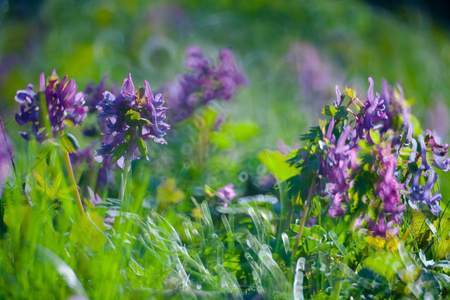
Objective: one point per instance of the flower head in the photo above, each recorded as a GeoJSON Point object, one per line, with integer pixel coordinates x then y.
{"type": "Point", "coordinates": [203, 82]}
{"type": "Point", "coordinates": [135, 114]}
{"type": "Point", "coordinates": [226, 193]}
{"type": "Point", "coordinates": [64, 106]}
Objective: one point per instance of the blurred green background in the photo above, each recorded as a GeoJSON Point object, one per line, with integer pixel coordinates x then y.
{"type": "Point", "coordinates": [294, 52]}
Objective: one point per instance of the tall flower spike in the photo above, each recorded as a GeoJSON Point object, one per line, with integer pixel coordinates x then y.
{"type": "Point", "coordinates": [202, 83]}
{"type": "Point", "coordinates": [64, 105]}
{"type": "Point", "coordinates": [134, 114]}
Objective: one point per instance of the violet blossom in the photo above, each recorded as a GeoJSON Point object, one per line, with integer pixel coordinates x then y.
{"type": "Point", "coordinates": [203, 82]}
{"type": "Point", "coordinates": [226, 194]}
{"type": "Point", "coordinates": [134, 113]}
{"type": "Point", "coordinates": [388, 190]}
{"type": "Point", "coordinates": [64, 105]}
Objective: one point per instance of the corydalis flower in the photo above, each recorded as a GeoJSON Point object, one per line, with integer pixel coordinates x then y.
{"type": "Point", "coordinates": [64, 106]}
{"type": "Point", "coordinates": [134, 115]}
{"type": "Point", "coordinates": [388, 189]}
{"type": "Point", "coordinates": [225, 194]}
{"type": "Point", "coordinates": [203, 82]}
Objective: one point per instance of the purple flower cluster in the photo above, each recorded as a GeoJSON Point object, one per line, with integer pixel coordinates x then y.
{"type": "Point", "coordinates": [373, 115]}
{"type": "Point", "coordinates": [202, 83]}
{"type": "Point", "coordinates": [423, 193]}
{"type": "Point", "coordinates": [64, 105]}
{"type": "Point", "coordinates": [334, 168]}
{"type": "Point", "coordinates": [388, 189]}
{"type": "Point", "coordinates": [134, 113]}
{"type": "Point", "coordinates": [343, 159]}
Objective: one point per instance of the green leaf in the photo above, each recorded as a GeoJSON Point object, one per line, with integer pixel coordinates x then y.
{"type": "Point", "coordinates": [277, 165]}
{"type": "Point", "coordinates": [244, 132]}
{"type": "Point", "coordinates": [375, 135]}
{"type": "Point", "coordinates": [337, 111]}
{"type": "Point", "coordinates": [132, 118]}
{"type": "Point", "coordinates": [209, 117]}
{"type": "Point", "coordinates": [69, 143]}
{"type": "Point", "coordinates": [118, 152]}
{"type": "Point", "coordinates": [313, 133]}
{"type": "Point", "coordinates": [142, 146]}
{"type": "Point", "coordinates": [221, 140]}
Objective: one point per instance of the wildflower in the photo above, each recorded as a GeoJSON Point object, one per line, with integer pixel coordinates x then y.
{"type": "Point", "coordinates": [135, 114]}
{"type": "Point", "coordinates": [64, 106]}
{"type": "Point", "coordinates": [423, 193]}
{"type": "Point", "coordinates": [226, 194]}
{"type": "Point", "coordinates": [202, 83]}
{"type": "Point", "coordinates": [314, 73]}
{"type": "Point", "coordinates": [388, 189]}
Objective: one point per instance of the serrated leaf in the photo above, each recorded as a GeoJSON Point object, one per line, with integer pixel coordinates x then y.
{"type": "Point", "coordinates": [337, 111]}
{"type": "Point", "coordinates": [313, 133]}
{"type": "Point", "coordinates": [141, 146]}
{"type": "Point", "coordinates": [351, 92]}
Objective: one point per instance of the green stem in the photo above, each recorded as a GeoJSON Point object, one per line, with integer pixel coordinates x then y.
{"type": "Point", "coordinates": [305, 213]}
{"type": "Point", "coordinates": [126, 169]}
{"type": "Point", "coordinates": [74, 183]}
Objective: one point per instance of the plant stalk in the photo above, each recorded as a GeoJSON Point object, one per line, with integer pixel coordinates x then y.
{"type": "Point", "coordinates": [305, 213]}
{"type": "Point", "coordinates": [74, 183]}
{"type": "Point", "coordinates": [126, 169]}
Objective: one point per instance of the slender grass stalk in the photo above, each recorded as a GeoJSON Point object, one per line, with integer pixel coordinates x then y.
{"type": "Point", "coordinates": [126, 169]}
{"type": "Point", "coordinates": [305, 213]}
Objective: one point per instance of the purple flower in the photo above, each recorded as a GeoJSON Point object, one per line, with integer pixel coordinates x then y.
{"type": "Point", "coordinates": [423, 193]}
{"type": "Point", "coordinates": [314, 73]}
{"type": "Point", "coordinates": [64, 105]}
{"type": "Point", "coordinates": [133, 114]}
{"type": "Point", "coordinates": [373, 115]}
{"type": "Point", "coordinates": [436, 147]}
{"type": "Point", "coordinates": [388, 189]}
{"type": "Point", "coordinates": [340, 156]}
{"type": "Point", "coordinates": [202, 83]}
{"type": "Point", "coordinates": [226, 194]}
{"type": "Point", "coordinates": [83, 155]}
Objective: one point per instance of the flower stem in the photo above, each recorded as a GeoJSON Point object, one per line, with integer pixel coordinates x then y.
{"type": "Point", "coordinates": [126, 169]}
{"type": "Point", "coordinates": [305, 213]}
{"type": "Point", "coordinates": [73, 181]}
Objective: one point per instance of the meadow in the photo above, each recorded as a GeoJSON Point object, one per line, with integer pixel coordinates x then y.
{"type": "Point", "coordinates": [223, 150]}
